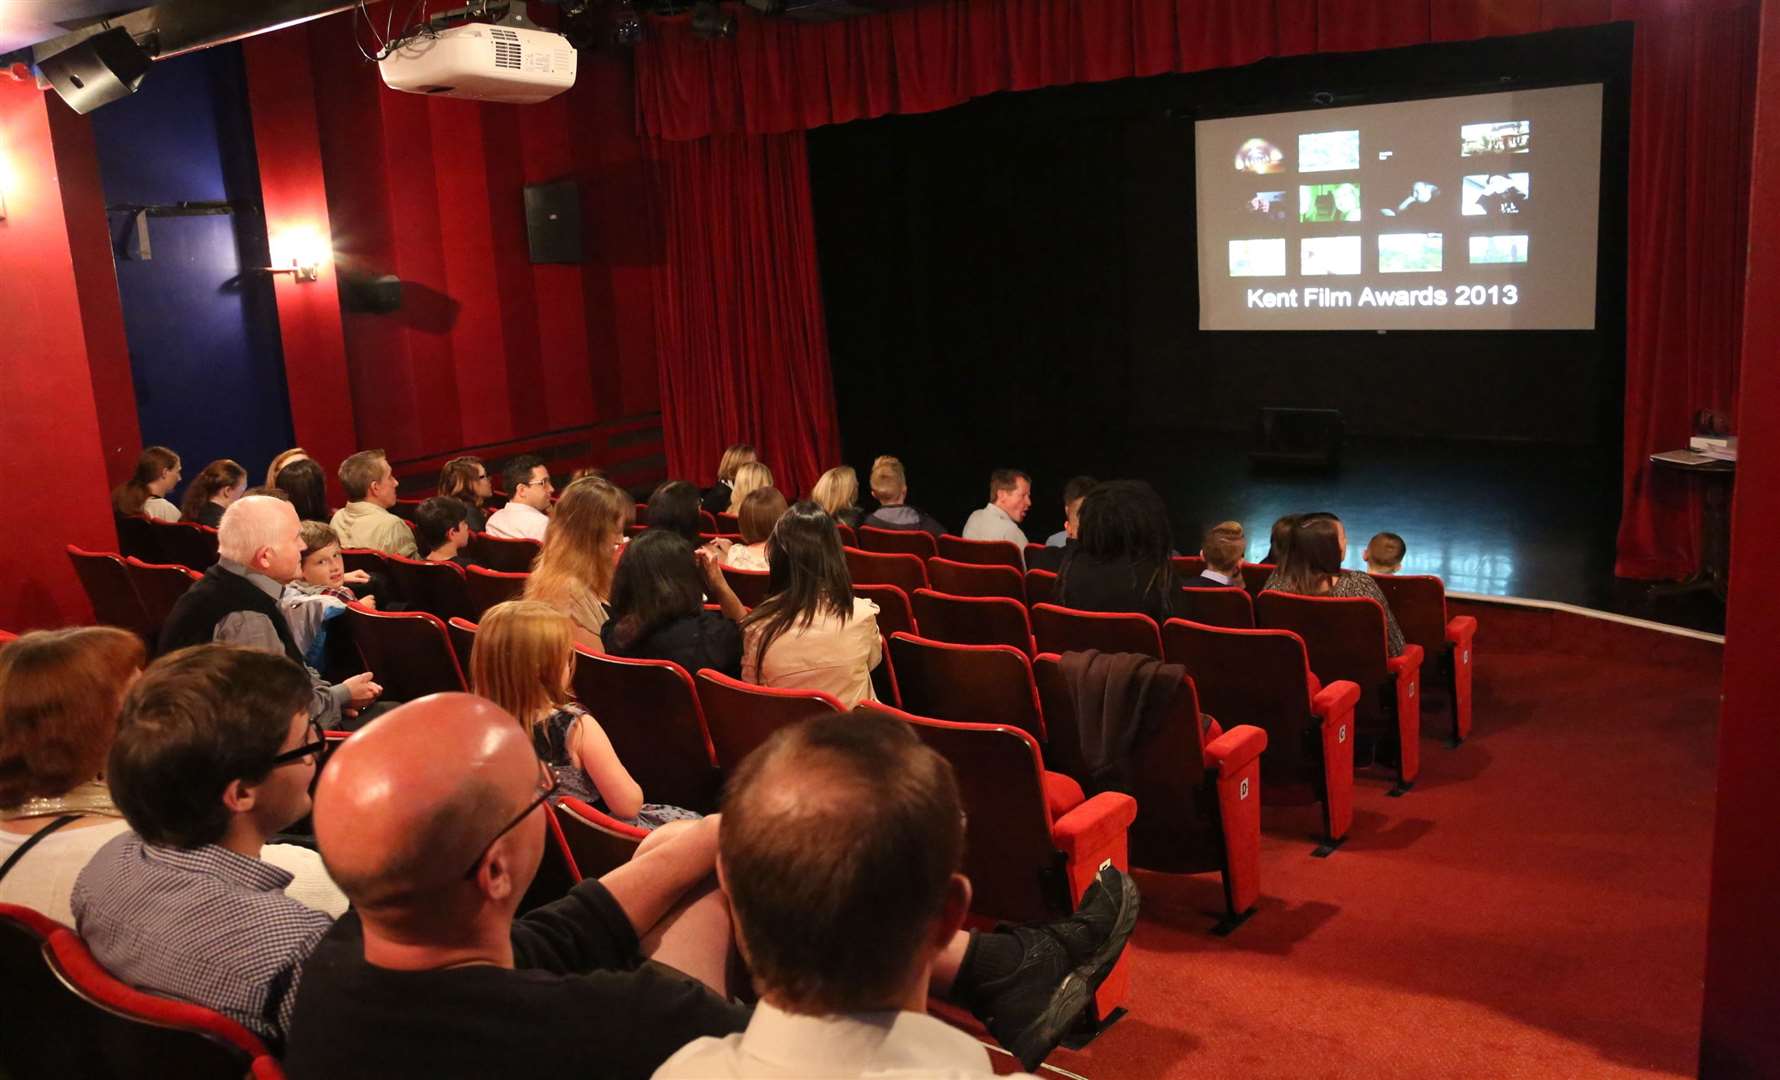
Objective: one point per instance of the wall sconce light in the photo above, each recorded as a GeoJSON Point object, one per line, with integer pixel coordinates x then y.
{"type": "Point", "coordinates": [5, 176]}
{"type": "Point", "coordinates": [298, 252]}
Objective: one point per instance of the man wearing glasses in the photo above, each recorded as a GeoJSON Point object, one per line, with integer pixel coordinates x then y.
{"type": "Point", "coordinates": [527, 513]}
{"type": "Point", "coordinates": [215, 753]}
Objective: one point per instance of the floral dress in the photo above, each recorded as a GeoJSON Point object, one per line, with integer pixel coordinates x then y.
{"type": "Point", "coordinates": [551, 740]}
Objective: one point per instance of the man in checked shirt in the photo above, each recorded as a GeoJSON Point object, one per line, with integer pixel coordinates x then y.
{"type": "Point", "coordinates": [215, 753]}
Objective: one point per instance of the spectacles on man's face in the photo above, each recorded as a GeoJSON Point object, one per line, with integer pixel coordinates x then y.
{"type": "Point", "coordinates": [316, 746]}
{"type": "Point", "coordinates": [543, 482]}
{"type": "Point", "coordinates": [547, 785]}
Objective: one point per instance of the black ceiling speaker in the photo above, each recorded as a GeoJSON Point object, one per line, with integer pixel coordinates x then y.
{"type": "Point", "coordinates": [98, 71]}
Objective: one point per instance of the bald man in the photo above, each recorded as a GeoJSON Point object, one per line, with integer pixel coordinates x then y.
{"type": "Point", "coordinates": [260, 550]}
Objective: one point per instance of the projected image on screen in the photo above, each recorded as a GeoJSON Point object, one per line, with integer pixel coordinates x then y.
{"type": "Point", "coordinates": [1268, 204]}
{"type": "Point", "coordinates": [1497, 193]}
{"type": "Point", "coordinates": [1260, 157]}
{"type": "Point", "coordinates": [1367, 217]}
{"type": "Point", "coordinates": [1320, 255]}
{"type": "Point", "coordinates": [1508, 137]}
{"type": "Point", "coordinates": [1409, 253]}
{"type": "Point", "coordinates": [1510, 248]}
{"type": "Point", "coordinates": [1329, 202]}
{"type": "Point", "coordinates": [1328, 151]}
{"type": "Point", "coordinates": [1258, 258]}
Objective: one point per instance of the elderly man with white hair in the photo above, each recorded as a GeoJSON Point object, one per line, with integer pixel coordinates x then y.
{"type": "Point", "coordinates": [236, 601]}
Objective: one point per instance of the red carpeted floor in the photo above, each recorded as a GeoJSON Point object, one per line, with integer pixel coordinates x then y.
{"type": "Point", "coordinates": [1536, 907]}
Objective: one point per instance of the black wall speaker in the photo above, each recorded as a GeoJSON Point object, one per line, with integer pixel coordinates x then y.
{"type": "Point", "coordinates": [553, 221]}
{"type": "Point", "coordinates": [98, 71]}
{"type": "Point", "coordinates": [370, 294]}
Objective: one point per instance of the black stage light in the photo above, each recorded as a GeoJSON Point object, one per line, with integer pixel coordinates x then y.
{"type": "Point", "coordinates": [97, 71]}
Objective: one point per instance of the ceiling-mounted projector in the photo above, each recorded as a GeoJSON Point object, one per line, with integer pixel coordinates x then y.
{"type": "Point", "coordinates": [515, 65]}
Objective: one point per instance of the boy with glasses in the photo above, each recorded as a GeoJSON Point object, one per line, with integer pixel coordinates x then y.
{"type": "Point", "coordinates": [215, 754]}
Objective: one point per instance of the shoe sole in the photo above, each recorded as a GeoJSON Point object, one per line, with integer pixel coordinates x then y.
{"type": "Point", "coordinates": [1078, 987]}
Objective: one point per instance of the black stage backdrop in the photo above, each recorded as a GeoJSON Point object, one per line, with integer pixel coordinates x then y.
{"type": "Point", "coordinates": [1014, 281]}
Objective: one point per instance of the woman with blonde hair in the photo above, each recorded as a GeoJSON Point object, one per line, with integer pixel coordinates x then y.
{"type": "Point", "coordinates": [211, 492]}
{"type": "Point", "coordinates": [837, 493]}
{"type": "Point", "coordinates": [145, 492]}
{"type": "Point", "coordinates": [524, 661]}
{"type": "Point", "coordinates": [752, 476]}
{"type": "Point", "coordinates": [573, 573]}
{"type": "Point", "coordinates": [717, 497]}
{"type": "Point", "coordinates": [295, 453]}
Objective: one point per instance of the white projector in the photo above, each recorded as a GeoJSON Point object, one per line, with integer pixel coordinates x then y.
{"type": "Point", "coordinates": [514, 65]}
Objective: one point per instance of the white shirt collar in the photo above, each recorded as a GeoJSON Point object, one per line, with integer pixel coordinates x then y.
{"type": "Point", "coordinates": [859, 1042]}
{"type": "Point", "coordinates": [1214, 575]}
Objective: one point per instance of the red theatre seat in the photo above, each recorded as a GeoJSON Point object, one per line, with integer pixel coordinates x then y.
{"type": "Point", "coordinates": [370, 560]}
{"type": "Point", "coordinates": [437, 588]}
{"type": "Point", "coordinates": [158, 587]}
{"type": "Point", "coordinates": [1187, 567]}
{"type": "Point", "coordinates": [707, 522]}
{"type": "Point", "coordinates": [849, 538]}
{"type": "Point", "coordinates": [1041, 585]}
{"type": "Point", "coordinates": [749, 586]}
{"type": "Point", "coordinates": [136, 536]}
{"type": "Point", "coordinates": [742, 715]}
{"type": "Point", "coordinates": [728, 524]}
{"type": "Point", "coordinates": [1255, 575]}
{"type": "Point", "coordinates": [463, 643]}
{"type": "Point", "coordinates": [650, 711]}
{"type": "Point", "coordinates": [107, 583]}
{"type": "Point", "coordinates": [409, 653]}
{"type": "Point", "coordinates": [66, 1016]}
{"type": "Point", "coordinates": [897, 542]}
{"type": "Point", "coordinates": [906, 572]}
{"type": "Point", "coordinates": [558, 872]}
{"type": "Point", "coordinates": [599, 842]}
{"type": "Point", "coordinates": [503, 554]}
{"type": "Point", "coordinates": [486, 588]}
{"type": "Point", "coordinates": [1419, 602]}
{"type": "Point", "coordinates": [184, 543]}
{"type": "Point", "coordinates": [1198, 798]}
{"type": "Point", "coordinates": [1262, 677]}
{"type": "Point", "coordinates": [894, 610]}
{"type": "Point", "coordinates": [973, 620]}
{"type": "Point", "coordinates": [982, 552]}
{"type": "Point", "coordinates": [1026, 862]}
{"type": "Point", "coordinates": [978, 684]}
{"type": "Point", "coordinates": [7, 636]}
{"type": "Point", "coordinates": [1230, 607]}
{"type": "Point", "coordinates": [1345, 638]}
{"type": "Point", "coordinates": [976, 579]}
{"type": "Point", "coordinates": [1060, 630]}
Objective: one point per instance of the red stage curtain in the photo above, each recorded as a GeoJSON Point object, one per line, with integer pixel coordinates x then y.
{"type": "Point", "coordinates": [1692, 93]}
{"type": "Point", "coordinates": [738, 309]}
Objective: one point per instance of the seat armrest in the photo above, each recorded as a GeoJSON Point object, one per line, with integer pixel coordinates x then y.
{"type": "Point", "coordinates": [1409, 664]}
{"type": "Point", "coordinates": [1461, 629]}
{"type": "Point", "coordinates": [1334, 699]}
{"type": "Point", "coordinates": [1095, 826]}
{"type": "Point", "coordinates": [1235, 748]}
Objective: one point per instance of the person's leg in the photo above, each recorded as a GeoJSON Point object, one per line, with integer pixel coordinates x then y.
{"type": "Point", "coordinates": [669, 891]}
{"type": "Point", "coordinates": [695, 938]}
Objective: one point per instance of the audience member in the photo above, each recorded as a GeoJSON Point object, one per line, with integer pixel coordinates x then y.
{"type": "Point", "coordinates": [211, 492]}
{"type": "Point", "coordinates": [845, 822]}
{"type": "Point", "coordinates": [587, 472]}
{"type": "Point", "coordinates": [430, 818]}
{"type": "Point", "coordinates": [890, 486]}
{"type": "Point", "coordinates": [837, 492]}
{"type": "Point", "coordinates": [295, 453]}
{"type": "Point", "coordinates": [573, 573]}
{"type": "Point", "coordinates": [1279, 540]}
{"type": "Point", "coordinates": [269, 493]}
{"type": "Point", "coordinates": [59, 697]}
{"type": "Point", "coordinates": [1222, 551]}
{"type": "Point", "coordinates": [1312, 567]}
{"type": "Point", "coordinates": [675, 506]}
{"type": "Point", "coordinates": [365, 520]}
{"type": "Point", "coordinates": [810, 632]}
{"type": "Point", "coordinates": [527, 513]}
{"type": "Point", "coordinates": [658, 606]}
{"type": "Point", "coordinates": [260, 550]}
{"type": "Point", "coordinates": [215, 752]}
{"type": "Point", "coordinates": [466, 480]}
{"type": "Point", "coordinates": [1010, 496]}
{"type": "Point", "coordinates": [1384, 553]}
{"type": "Point", "coordinates": [1059, 543]}
{"type": "Point", "coordinates": [306, 487]}
{"type": "Point", "coordinates": [430, 974]}
{"type": "Point", "coordinates": [1122, 560]}
{"type": "Point", "coordinates": [761, 510]}
{"type": "Point", "coordinates": [320, 592]}
{"type": "Point", "coordinates": [720, 497]}
{"type": "Point", "coordinates": [442, 529]}
{"type": "Point", "coordinates": [524, 661]}
{"type": "Point", "coordinates": [750, 476]}
{"type": "Point", "coordinates": [145, 492]}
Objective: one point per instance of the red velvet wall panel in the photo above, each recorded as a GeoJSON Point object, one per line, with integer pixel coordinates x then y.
{"type": "Point", "coordinates": [50, 422]}
{"type": "Point", "coordinates": [1740, 1035]}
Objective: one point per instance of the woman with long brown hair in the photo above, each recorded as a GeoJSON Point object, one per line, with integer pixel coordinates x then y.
{"type": "Point", "coordinates": [810, 632]}
{"type": "Point", "coordinates": [573, 573]}
{"type": "Point", "coordinates": [211, 492]}
{"type": "Point", "coordinates": [1312, 567]}
{"type": "Point", "coordinates": [466, 480]}
{"type": "Point", "coordinates": [295, 453]}
{"type": "Point", "coordinates": [145, 492]}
